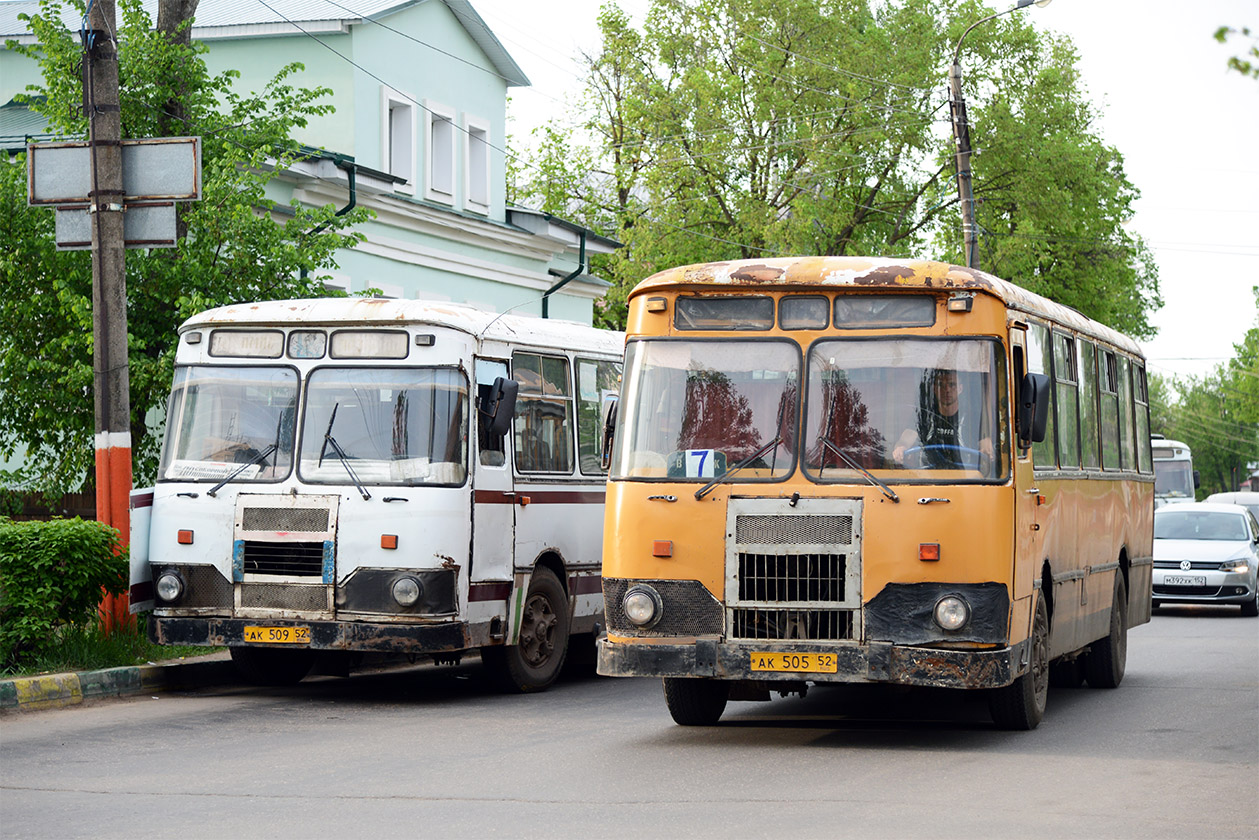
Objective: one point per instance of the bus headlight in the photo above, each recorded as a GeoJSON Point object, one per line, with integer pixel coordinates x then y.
{"type": "Point", "coordinates": [642, 606]}
{"type": "Point", "coordinates": [952, 612]}
{"type": "Point", "coordinates": [407, 591]}
{"type": "Point", "coordinates": [169, 587]}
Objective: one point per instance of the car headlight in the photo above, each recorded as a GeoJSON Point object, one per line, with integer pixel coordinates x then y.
{"type": "Point", "coordinates": [169, 587]}
{"type": "Point", "coordinates": [952, 612]}
{"type": "Point", "coordinates": [1235, 566]}
{"type": "Point", "coordinates": [643, 606]}
{"type": "Point", "coordinates": [407, 591]}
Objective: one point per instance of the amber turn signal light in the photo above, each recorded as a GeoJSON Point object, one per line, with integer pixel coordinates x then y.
{"type": "Point", "coordinates": [662, 548]}
{"type": "Point", "coordinates": [389, 541]}
{"type": "Point", "coordinates": [929, 551]}
{"type": "Point", "coordinates": [184, 537]}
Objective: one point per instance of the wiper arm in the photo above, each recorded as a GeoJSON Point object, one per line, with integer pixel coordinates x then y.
{"type": "Point", "coordinates": [327, 433]}
{"type": "Point", "coordinates": [345, 462]}
{"type": "Point", "coordinates": [261, 456]}
{"type": "Point", "coordinates": [887, 491]}
{"type": "Point", "coordinates": [703, 491]}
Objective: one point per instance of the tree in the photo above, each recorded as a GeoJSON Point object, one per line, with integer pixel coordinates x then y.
{"type": "Point", "coordinates": [758, 128]}
{"type": "Point", "coordinates": [236, 244]}
{"type": "Point", "coordinates": [1247, 65]}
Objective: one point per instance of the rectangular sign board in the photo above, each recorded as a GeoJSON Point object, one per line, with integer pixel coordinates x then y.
{"type": "Point", "coordinates": [153, 169]}
{"type": "Point", "coordinates": [144, 226]}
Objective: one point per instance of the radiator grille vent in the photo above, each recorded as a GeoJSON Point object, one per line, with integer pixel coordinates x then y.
{"type": "Point", "coordinates": [781, 625]}
{"type": "Point", "coordinates": [303, 559]}
{"type": "Point", "coordinates": [284, 519]}
{"type": "Point", "coordinates": [281, 596]}
{"type": "Point", "coordinates": [793, 530]}
{"type": "Point", "coordinates": [788, 578]}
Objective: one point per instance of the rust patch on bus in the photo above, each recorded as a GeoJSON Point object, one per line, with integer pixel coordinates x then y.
{"type": "Point", "coordinates": [757, 274]}
{"type": "Point", "coordinates": [888, 275]}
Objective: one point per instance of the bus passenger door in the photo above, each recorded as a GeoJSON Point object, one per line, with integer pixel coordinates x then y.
{"type": "Point", "coordinates": [1029, 542]}
{"type": "Point", "coordinates": [493, 499]}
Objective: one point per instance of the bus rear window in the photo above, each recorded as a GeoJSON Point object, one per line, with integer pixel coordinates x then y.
{"type": "Point", "coordinates": [735, 313]}
{"type": "Point", "coordinates": [866, 312]}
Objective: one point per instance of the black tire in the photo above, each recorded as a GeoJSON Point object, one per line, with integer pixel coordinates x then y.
{"type": "Point", "coordinates": [695, 702]}
{"type": "Point", "coordinates": [1155, 604]}
{"type": "Point", "coordinates": [534, 662]}
{"type": "Point", "coordinates": [1021, 704]}
{"type": "Point", "coordinates": [1067, 673]}
{"type": "Point", "coordinates": [1250, 609]}
{"type": "Point", "coordinates": [272, 666]}
{"type": "Point", "coordinates": [1108, 656]}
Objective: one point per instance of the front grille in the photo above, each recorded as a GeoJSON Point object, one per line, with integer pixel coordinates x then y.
{"type": "Point", "coordinates": [283, 596]}
{"type": "Point", "coordinates": [689, 608]}
{"type": "Point", "coordinates": [779, 625]}
{"type": "Point", "coordinates": [204, 587]}
{"type": "Point", "coordinates": [1206, 565]}
{"type": "Point", "coordinates": [793, 530]}
{"type": "Point", "coordinates": [301, 559]}
{"type": "Point", "coordinates": [791, 578]}
{"type": "Point", "coordinates": [1161, 589]}
{"type": "Point", "coordinates": [286, 519]}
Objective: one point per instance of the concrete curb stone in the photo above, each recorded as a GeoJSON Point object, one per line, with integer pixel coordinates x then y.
{"type": "Point", "coordinates": [52, 691]}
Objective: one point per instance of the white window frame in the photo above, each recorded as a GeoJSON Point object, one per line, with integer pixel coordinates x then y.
{"type": "Point", "coordinates": [435, 112]}
{"type": "Point", "coordinates": [476, 163]}
{"type": "Point", "coordinates": [392, 101]}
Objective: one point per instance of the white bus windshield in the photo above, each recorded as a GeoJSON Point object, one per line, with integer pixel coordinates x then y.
{"type": "Point", "coordinates": [222, 420]}
{"type": "Point", "coordinates": [401, 426]}
{"type": "Point", "coordinates": [1173, 479]}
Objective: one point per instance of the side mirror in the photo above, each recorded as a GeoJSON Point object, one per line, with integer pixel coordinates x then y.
{"type": "Point", "coordinates": [1033, 410]}
{"type": "Point", "coordinates": [499, 404]}
{"type": "Point", "coordinates": [1197, 479]}
{"type": "Point", "coordinates": [611, 408]}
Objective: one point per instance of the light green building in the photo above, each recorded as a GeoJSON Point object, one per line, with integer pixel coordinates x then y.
{"type": "Point", "coordinates": [418, 136]}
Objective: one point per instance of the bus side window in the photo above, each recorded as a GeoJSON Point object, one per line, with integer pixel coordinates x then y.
{"type": "Point", "coordinates": [544, 414]}
{"type": "Point", "coordinates": [1088, 406]}
{"type": "Point", "coordinates": [1040, 360]}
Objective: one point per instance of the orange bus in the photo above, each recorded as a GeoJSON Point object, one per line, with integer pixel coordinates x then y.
{"type": "Point", "coordinates": [839, 469]}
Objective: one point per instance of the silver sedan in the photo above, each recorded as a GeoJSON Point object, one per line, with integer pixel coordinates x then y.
{"type": "Point", "coordinates": [1206, 553]}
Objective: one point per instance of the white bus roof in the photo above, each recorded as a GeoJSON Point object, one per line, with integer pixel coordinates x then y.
{"type": "Point", "coordinates": [876, 273]}
{"type": "Point", "coordinates": [378, 312]}
{"type": "Point", "coordinates": [1164, 443]}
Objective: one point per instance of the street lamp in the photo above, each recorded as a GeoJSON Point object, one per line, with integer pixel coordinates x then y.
{"type": "Point", "coordinates": [961, 137]}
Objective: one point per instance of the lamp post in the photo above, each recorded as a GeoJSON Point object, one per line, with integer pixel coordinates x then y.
{"type": "Point", "coordinates": [961, 137]}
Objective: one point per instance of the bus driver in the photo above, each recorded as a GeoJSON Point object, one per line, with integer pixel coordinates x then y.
{"type": "Point", "coordinates": [945, 437]}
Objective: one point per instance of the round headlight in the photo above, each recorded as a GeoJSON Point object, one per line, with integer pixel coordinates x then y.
{"type": "Point", "coordinates": [642, 606]}
{"type": "Point", "coordinates": [952, 613]}
{"type": "Point", "coordinates": [406, 591]}
{"type": "Point", "coordinates": [169, 587]}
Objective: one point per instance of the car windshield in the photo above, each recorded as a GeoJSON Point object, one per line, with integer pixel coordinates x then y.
{"type": "Point", "coordinates": [1199, 525]}
{"type": "Point", "coordinates": [695, 409]}
{"type": "Point", "coordinates": [916, 409]}
{"type": "Point", "coordinates": [386, 425]}
{"type": "Point", "coordinates": [223, 421]}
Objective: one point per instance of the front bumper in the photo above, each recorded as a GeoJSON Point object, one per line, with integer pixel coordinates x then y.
{"type": "Point", "coordinates": [874, 662]}
{"type": "Point", "coordinates": [324, 635]}
{"type": "Point", "coordinates": [1220, 588]}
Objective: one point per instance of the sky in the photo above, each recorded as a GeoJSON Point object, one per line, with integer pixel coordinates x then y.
{"type": "Point", "coordinates": [1188, 129]}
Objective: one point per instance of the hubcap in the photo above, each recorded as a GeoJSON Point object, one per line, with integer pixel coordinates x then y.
{"type": "Point", "coordinates": [537, 631]}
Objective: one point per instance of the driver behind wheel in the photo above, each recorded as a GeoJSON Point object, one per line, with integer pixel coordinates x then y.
{"type": "Point", "coordinates": [945, 438]}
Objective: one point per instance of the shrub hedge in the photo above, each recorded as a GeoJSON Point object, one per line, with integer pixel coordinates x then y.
{"type": "Point", "coordinates": [52, 574]}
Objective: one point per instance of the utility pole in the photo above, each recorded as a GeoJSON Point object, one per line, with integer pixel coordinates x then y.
{"type": "Point", "coordinates": [961, 140]}
{"type": "Point", "coordinates": [111, 383]}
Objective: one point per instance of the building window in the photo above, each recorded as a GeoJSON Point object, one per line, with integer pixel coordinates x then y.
{"type": "Point", "coordinates": [440, 152]}
{"type": "Point", "coordinates": [398, 136]}
{"type": "Point", "coordinates": [477, 171]}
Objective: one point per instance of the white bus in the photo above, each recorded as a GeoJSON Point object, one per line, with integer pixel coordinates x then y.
{"type": "Point", "coordinates": [348, 476]}
{"type": "Point", "coordinates": [1175, 479]}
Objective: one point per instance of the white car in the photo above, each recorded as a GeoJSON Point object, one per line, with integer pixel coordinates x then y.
{"type": "Point", "coordinates": [1206, 553]}
{"type": "Point", "coordinates": [1248, 499]}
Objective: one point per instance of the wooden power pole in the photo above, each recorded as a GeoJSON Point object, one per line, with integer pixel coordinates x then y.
{"type": "Point", "coordinates": [111, 382]}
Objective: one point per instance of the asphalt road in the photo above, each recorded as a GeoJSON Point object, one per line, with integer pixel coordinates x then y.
{"type": "Point", "coordinates": [435, 752]}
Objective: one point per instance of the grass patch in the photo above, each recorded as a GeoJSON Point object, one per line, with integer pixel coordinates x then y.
{"type": "Point", "coordinates": [86, 647]}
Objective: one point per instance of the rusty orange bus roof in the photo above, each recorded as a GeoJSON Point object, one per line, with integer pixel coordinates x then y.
{"type": "Point", "coordinates": [777, 274]}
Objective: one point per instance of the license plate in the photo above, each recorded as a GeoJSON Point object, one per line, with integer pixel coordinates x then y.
{"type": "Point", "coordinates": [805, 663]}
{"type": "Point", "coordinates": [1185, 580]}
{"type": "Point", "coordinates": [278, 635]}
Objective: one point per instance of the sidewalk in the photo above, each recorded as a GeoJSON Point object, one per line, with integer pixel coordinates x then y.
{"type": "Point", "coordinates": [51, 691]}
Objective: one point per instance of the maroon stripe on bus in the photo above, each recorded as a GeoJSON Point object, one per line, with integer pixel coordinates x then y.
{"type": "Point", "coordinates": [585, 584]}
{"type": "Point", "coordinates": [142, 591]}
{"type": "Point", "coordinates": [488, 591]}
{"type": "Point", "coordinates": [142, 500]}
{"type": "Point", "coordinates": [539, 497]}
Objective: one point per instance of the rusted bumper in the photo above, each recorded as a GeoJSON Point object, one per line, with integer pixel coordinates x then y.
{"type": "Point", "coordinates": [324, 635]}
{"type": "Point", "coordinates": [874, 662]}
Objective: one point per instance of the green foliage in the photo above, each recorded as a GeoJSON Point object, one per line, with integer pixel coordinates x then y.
{"type": "Point", "coordinates": [236, 244]}
{"type": "Point", "coordinates": [1248, 63]}
{"type": "Point", "coordinates": [88, 647]}
{"type": "Point", "coordinates": [52, 574]}
{"type": "Point", "coordinates": [757, 128]}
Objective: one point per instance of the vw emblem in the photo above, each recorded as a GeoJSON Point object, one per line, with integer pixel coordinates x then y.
{"type": "Point", "coordinates": [1185, 565]}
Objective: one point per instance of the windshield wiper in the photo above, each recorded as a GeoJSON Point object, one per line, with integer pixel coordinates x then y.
{"type": "Point", "coordinates": [261, 456]}
{"type": "Point", "coordinates": [887, 491]}
{"type": "Point", "coordinates": [336, 447]}
{"type": "Point", "coordinates": [703, 491]}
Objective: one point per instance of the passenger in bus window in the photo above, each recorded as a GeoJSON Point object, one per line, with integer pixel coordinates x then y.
{"type": "Point", "coordinates": [945, 437]}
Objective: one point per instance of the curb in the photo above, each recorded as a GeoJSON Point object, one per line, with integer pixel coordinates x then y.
{"type": "Point", "coordinates": [54, 691]}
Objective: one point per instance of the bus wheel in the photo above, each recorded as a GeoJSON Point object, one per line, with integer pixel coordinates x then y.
{"type": "Point", "coordinates": [1067, 673]}
{"type": "Point", "coordinates": [272, 666]}
{"type": "Point", "coordinates": [695, 702]}
{"type": "Point", "coordinates": [1021, 704]}
{"type": "Point", "coordinates": [1108, 655]}
{"type": "Point", "coordinates": [535, 660]}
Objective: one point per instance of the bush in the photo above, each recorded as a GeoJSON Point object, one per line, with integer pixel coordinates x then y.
{"type": "Point", "coordinates": [51, 575]}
